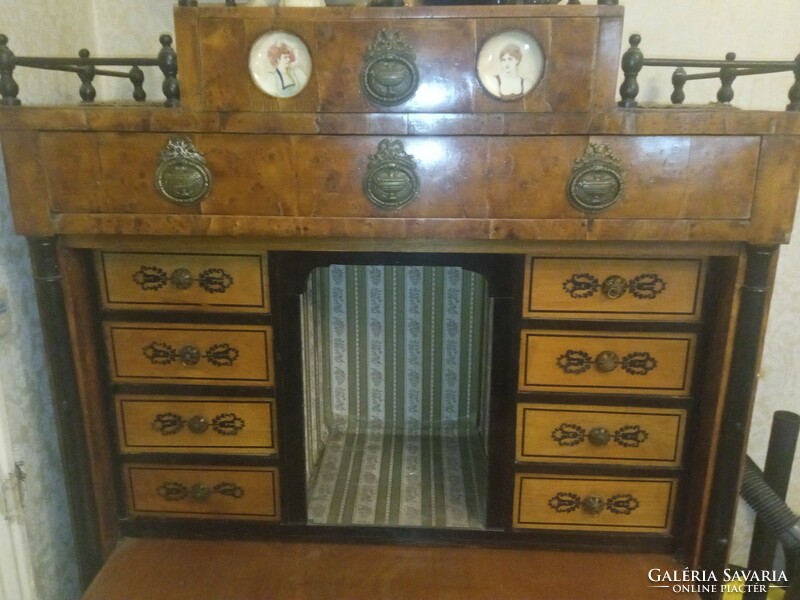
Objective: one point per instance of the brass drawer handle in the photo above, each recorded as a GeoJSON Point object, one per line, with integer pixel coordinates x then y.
{"type": "Point", "coordinates": [645, 286]}
{"type": "Point", "coordinates": [627, 436]}
{"type": "Point", "coordinates": [575, 362]}
{"type": "Point", "coordinates": [174, 491]}
{"type": "Point", "coordinates": [212, 280]}
{"type": "Point", "coordinates": [614, 286]}
{"type": "Point", "coordinates": [618, 504]}
{"type": "Point", "coordinates": [224, 424]}
{"type": "Point", "coordinates": [182, 176]}
{"type": "Point", "coordinates": [218, 355]}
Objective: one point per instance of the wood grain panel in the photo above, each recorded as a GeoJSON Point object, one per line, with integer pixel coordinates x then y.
{"type": "Point", "coordinates": [565, 361]}
{"type": "Point", "coordinates": [637, 436]}
{"type": "Point", "coordinates": [572, 288]}
{"type": "Point", "coordinates": [161, 424]}
{"type": "Point", "coordinates": [227, 354]}
{"type": "Point", "coordinates": [554, 502]}
{"type": "Point", "coordinates": [219, 282]}
{"type": "Point", "coordinates": [231, 492]}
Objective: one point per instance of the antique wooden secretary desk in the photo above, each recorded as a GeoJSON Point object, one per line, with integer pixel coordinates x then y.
{"type": "Point", "coordinates": [401, 274]}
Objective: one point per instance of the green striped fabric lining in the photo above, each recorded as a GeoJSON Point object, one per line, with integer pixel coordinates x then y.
{"type": "Point", "coordinates": [395, 379]}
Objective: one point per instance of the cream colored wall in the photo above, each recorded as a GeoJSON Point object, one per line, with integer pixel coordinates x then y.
{"type": "Point", "coordinates": [708, 29]}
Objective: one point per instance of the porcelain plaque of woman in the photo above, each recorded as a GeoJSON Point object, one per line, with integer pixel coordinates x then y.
{"type": "Point", "coordinates": [280, 64]}
{"type": "Point", "coordinates": [510, 65]}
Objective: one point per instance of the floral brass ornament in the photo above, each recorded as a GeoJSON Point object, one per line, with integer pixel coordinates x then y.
{"type": "Point", "coordinates": [212, 280]}
{"type": "Point", "coordinates": [571, 434]}
{"type": "Point", "coordinates": [182, 176]}
{"type": "Point", "coordinates": [645, 286]}
{"type": "Point", "coordinates": [575, 362]}
{"type": "Point", "coordinates": [619, 504]}
{"type": "Point", "coordinates": [173, 491]}
{"type": "Point", "coordinates": [171, 423]}
{"type": "Point", "coordinates": [389, 75]}
{"type": "Point", "coordinates": [597, 180]}
{"type": "Point", "coordinates": [219, 355]}
{"type": "Point", "coordinates": [391, 181]}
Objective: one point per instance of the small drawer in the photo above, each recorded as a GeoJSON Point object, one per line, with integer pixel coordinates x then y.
{"type": "Point", "coordinates": [600, 434]}
{"type": "Point", "coordinates": [210, 425]}
{"type": "Point", "coordinates": [206, 492]}
{"type": "Point", "coordinates": [593, 503]}
{"type": "Point", "coordinates": [177, 353]}
{"type": "Point", "coordinates": [595, 288]}
{"type": "Point", "coordinates": [605, 362]}
{"type": "Point", "coordinates": [198, 282]}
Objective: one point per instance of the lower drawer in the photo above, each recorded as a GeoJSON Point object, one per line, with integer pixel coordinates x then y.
{"type": "Point", "coordinates": [593, 503]}
{"type": "Point", "coordinates": [205, 492]}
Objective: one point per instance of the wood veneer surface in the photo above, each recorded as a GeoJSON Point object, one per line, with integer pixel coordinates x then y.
{"type": "Point", "coordinates": [145, 569]}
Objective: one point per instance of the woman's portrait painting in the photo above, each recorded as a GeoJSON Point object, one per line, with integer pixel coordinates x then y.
{"type": "Point", "coordinates": [510, 65]}
{"type": "Point", "coordinates": [280, 64]}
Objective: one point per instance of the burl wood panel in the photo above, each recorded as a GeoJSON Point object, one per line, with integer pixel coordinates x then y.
{"type": "Point", "coordinates": [250, 430]}
{"type": "Point", "coordinates": [638, 436]}
{"type": "Point", "coordinates": [256, 497]}
{"type": "Point", "coordinates": [219, 282]}
{"type": "Point", "coordinates": [572, 288]}
{"type": "Point", "coordinates": [566, 361]}
{"type": "Point", "coordinates": [649, 509]}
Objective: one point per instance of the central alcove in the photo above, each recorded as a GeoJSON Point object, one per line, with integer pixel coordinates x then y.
{"type": "Point", "coordinates": [395, 374]}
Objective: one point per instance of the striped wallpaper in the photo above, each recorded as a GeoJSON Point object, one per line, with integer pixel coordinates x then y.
{"type": "Point", "coordinates": [395, 378]}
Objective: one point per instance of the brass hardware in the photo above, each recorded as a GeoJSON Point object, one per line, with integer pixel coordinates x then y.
{"type": "Point", "coordinates": [606, 361]}
{"type": "Point", "coordinates": [614, 286]}
{"type": "Point", "coordinates": [197, 424]}
{"type": "Point", "coordinates": [593, 505]}
{"type": "Point", "coordinates": [389, 76]}
{"type": "Point", "coordinates": [391, 181]}
{"type": "Point", "coordinates": [190, 355]}
{"type": "Point", "coordinates": [199, 492]}
{"type": "Point", "coordinates": [181, 278]}
{"type": "Point", "coordinates": [182, 176]}
{"type": "Point", "coordinates": [599, 436]}
{"type": "Point", "coordinates": [597, 181]}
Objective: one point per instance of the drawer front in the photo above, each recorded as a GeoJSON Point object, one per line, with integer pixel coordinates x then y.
{"type": "Point", "coordinates": [590, 288]}
{"type": "Point", "coordinates": [198, 282]}
{"type": "Point", "coordinates": [231, 492]}
{"type": "Point", "coordinates": [604, 362]}
{"type": "Point", "coordinates": [176, 353]}
{"type": "Point", "coordinates": [216, 425]}
{"type": "Point", "coordinates": [593, 504]}
{"type": "Point", "coordinates": [593, 434]}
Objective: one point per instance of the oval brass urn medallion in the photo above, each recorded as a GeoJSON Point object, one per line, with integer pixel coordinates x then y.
{"type": "Point", "coordinates": [389, 76]}
{"type": "Point", "coordinates": [596, 182]}
{"type": "Point", "coordinates": [182, 176]}
{"type": "Point", "coordinates": [391, 181]}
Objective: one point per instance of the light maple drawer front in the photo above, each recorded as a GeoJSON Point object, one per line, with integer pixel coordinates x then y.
{"type": "Point", "coordinates": [593, 503]}
{"type": "Point", "coordinates": [232, 492]}
{"type": "Point", "coordinates": [604, 362]}
{"type": "Point", "coordinates": [177, 353]}
{"type": "Point", "coordinates": [592, 434]}
{"type": "Point", "coordinates": [218, 425]}
{"type": "Point", "coordinates": [151, 281]}
{"type": "Point", "coordinates": [590, 288]}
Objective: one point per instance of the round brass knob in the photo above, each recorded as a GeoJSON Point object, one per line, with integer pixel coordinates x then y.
{"type": "Point", "coordinates": [599, 436]}
{"type": "Point", "coordinates": [190, 356]}
{"type": "Point", "coordinates": [199, 492]}
{"type": "Point", "coordinates": [614, 286]}
{"type": "Point", "coordinates": [197, 424]}
{"type": "Point", "coordinates": [593, 505]}
{"type": "Point", "coordinates": [181, 278]}
{"type": "Point", "coordinates": [606, 361]}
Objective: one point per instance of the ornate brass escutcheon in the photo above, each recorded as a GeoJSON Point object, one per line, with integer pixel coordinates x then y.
{"type": "Point", "coordinates": [190, 356]}
{"type": "Point", "coordinates": [614, 286]}
{"type": "Point", "coordinates": [182, 176]}
{"type": "Point", "coordinates": [593, 505]}
{"type": "Point", "coordinates": [606, 361]}
{"type": "Point", "coordinates": [389, 76]}
{"type": "Point", "coordinates": [391, 181]}
{"type": "Point", "coordinates": [597, 181]}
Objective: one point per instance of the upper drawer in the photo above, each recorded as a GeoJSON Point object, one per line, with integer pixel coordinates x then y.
{"type": "Point", "coordinates": [595, 288]}
{"type": "Point", "coordinates": [177, 353]}
{"type": "Point", "coordinates": [200, 282]}
{"type": "Point", "coordinates": [605, 362]}
{"type": "Point", "coordinates": [205, 492]}
{"type": "Point", "coordinates": [180, 424]}
{"type": "Point", "coordinates": [600, 434]}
